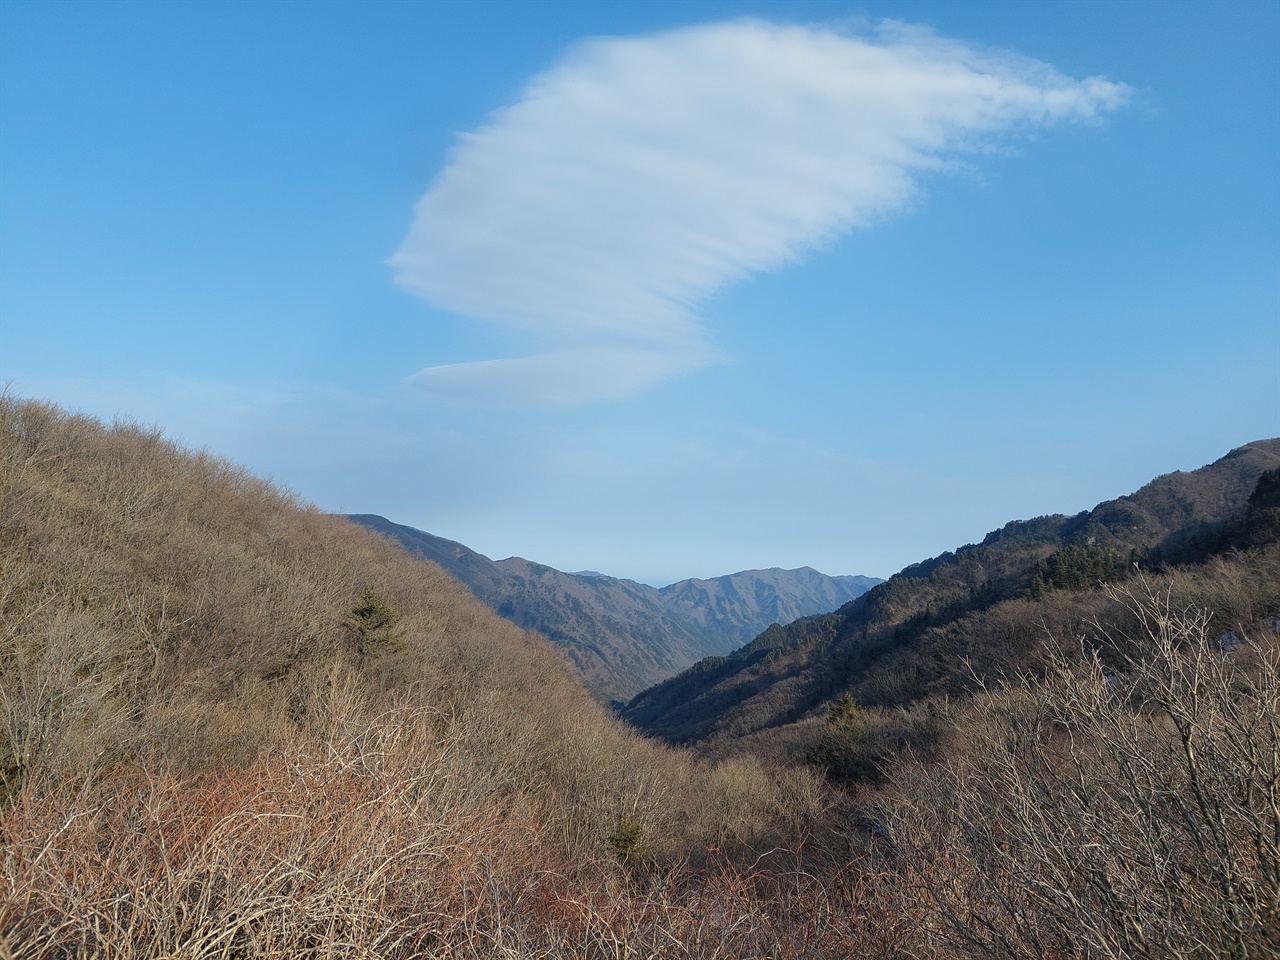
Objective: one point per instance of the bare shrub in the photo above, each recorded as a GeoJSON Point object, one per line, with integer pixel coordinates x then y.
{"type": "Point", "coordinates": [1122, 810]}
{"type": "Point", "coordinates": [233, 726]}
{"type": "Point", "coordinates": [204, 756]}
{"type": "Point", "coordinates": [368, 841]}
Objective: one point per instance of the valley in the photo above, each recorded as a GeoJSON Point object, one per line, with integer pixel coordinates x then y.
{"type": "Point", "coordinates": [232, 724]}
{"type": "Point", "coordinates": [926, 633]}
{"type": "Point", "coordinates": [625, 636]}
{"type": "Point", "coordinates": [445, 447]}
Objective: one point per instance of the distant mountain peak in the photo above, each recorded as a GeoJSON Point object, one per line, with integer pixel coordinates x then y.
{"type": "Point", "coordinates": [622, 635]}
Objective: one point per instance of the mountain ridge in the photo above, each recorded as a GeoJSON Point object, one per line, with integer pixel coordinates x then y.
{"type": "Point", "coordinates": [871, 645]}
{"type": "Point", "coordinates": [623, 635]}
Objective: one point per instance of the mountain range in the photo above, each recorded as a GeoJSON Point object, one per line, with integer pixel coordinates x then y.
{"type": "Point", "coordinates": [981, 610]}
{"type": "Point", "coordinates": [625, 636]}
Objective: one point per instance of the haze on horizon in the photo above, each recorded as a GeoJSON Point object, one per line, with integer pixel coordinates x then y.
{"type": "Point", "coordinates": [658, 291]}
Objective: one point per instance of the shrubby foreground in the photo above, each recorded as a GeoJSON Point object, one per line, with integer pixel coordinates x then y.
{"type": "Point", "coordinates": [234, 726]}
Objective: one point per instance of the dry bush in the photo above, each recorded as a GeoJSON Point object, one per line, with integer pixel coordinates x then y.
{"type": "Point", "coordinates": [168, 604]}
{"type": "Point", "coordinates": [201, 753]}
{"type": "Point", "coordinates": [310, 857]}
{"type": "Point", "coordinates": [368, 842]}
{"type": "Point", "coordinates": [1129, 809]}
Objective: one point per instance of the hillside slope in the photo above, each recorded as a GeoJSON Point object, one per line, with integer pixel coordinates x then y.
{"type": "Point", "coordinates": [232, 724]}
{"type": "Point", "coordinates": [872, 646]}
{"type": "Point", "coordinates": [624, 636]}
{"type": "Point", "coordinates": [168, 603]}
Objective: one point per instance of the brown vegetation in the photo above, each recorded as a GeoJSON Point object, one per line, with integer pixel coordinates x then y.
{"type": "Point", "coordinates": [231, 726]}
{"type": "Point", "coordinates": [1128, 805]}
{"type": "Point", "coordinates": [228, 720]}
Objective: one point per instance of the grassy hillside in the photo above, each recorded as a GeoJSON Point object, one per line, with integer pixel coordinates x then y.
{"type": "Point", "coordinates": [257, 723]}
{"type": "Point", "coordinates": [231, 726]}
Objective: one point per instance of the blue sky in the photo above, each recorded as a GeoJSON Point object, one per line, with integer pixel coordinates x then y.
{"type": "Point", "coordinates": [662, 290]}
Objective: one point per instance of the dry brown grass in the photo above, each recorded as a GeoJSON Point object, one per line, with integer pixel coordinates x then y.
{"type": "Point", "coordinates": [370, 845]}
{"type": "Point", "coordinates": [231, 890]}
{"type": "Point", "coordinates": [202, 755]}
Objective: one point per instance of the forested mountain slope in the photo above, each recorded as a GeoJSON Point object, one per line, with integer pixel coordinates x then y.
{"type": "Point", "coordinates": [624, 636]}
{"type": "Point", "coordinates": [738, 606]}
{"type": "Point", "coordinates": [914, 635]}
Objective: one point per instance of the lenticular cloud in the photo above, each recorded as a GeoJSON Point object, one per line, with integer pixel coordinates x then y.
{"type": "Point", "coordinates": [638, 175]}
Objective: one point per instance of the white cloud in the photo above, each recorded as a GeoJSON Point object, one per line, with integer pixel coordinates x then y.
{"type": "Point", "coordinates": [639, 175]}
{"type": "Point", "coordinates": [563, 378]}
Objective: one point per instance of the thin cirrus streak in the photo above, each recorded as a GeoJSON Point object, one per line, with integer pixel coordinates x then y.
{"type": "Point", "coordinates": [637, 176]}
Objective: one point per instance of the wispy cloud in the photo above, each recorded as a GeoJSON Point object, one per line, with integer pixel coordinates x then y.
{"type": "Point", "coordinates": [566, 377]}
{"type": "Point", "coordinates": [639, 175]}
